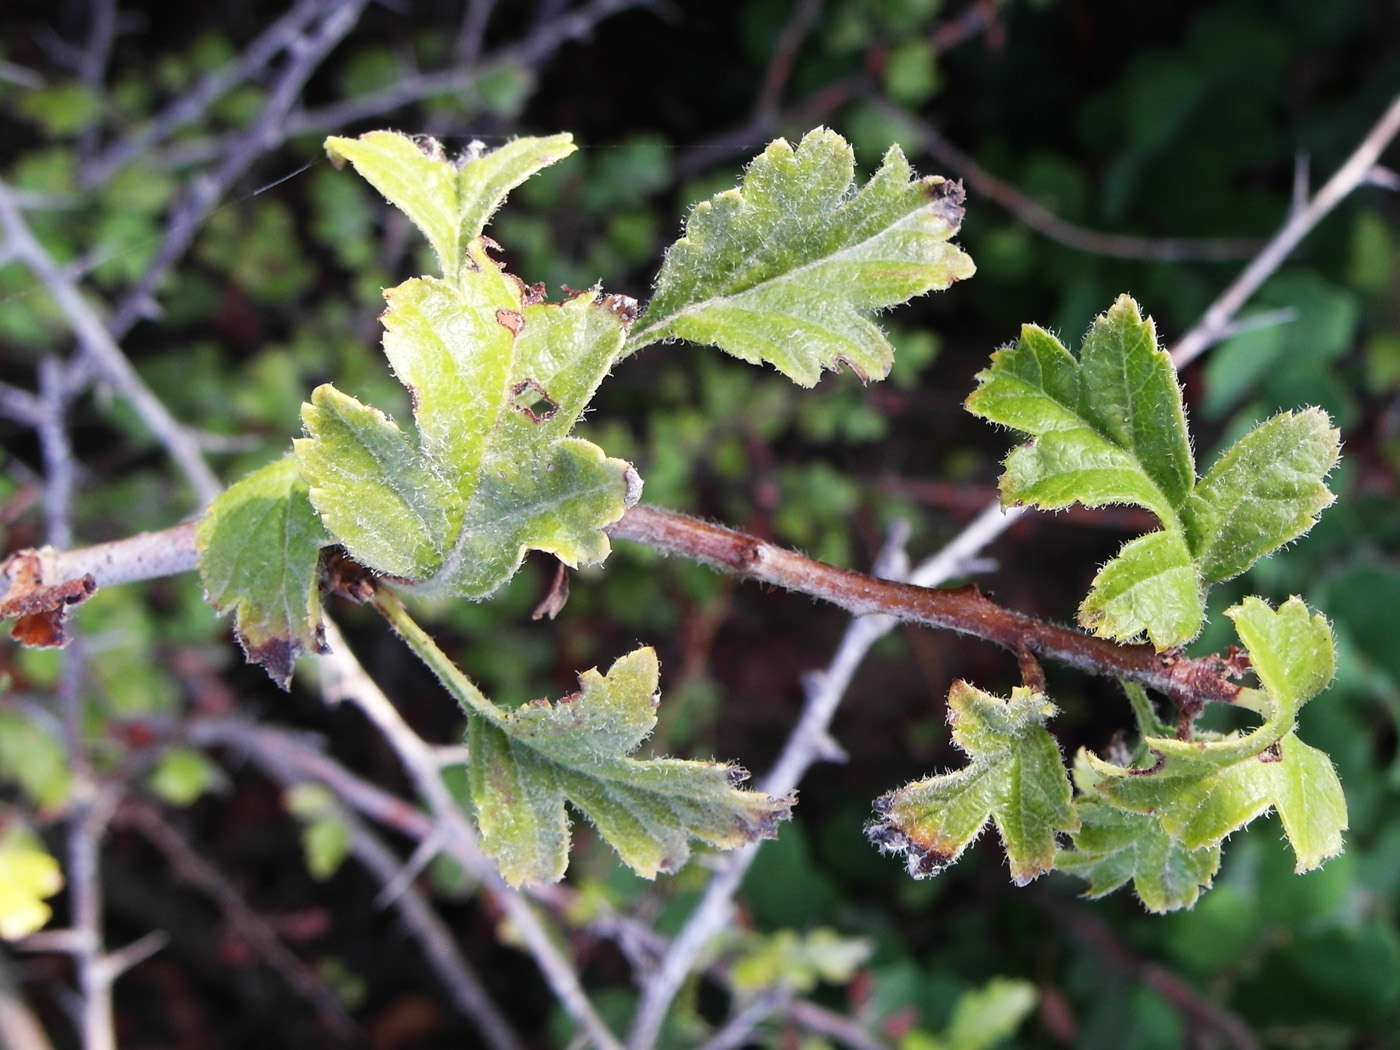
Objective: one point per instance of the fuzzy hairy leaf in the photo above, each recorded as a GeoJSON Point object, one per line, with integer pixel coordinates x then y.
{"type": "Point", "coordinates": [1202, 790]}
{"type": "Point", "coordinates": [1109, 427]}
{"type": "Point", "coordinates": [1014, 777]}
{"type": "Point", "coordinates": [788, 267]}
{"type": "Point", "coordinates": [259, 544]}
{"type": "Point", "coordinates": [525, 763]}
{"type": "Point", "coordinates": [499, 378]}
{"type": "Point", "coordinates": [1268, 485]}
{"type": "Point", "coordinates": [1114, 846]}
{"type": "Point", "coordinates": [450, 201]}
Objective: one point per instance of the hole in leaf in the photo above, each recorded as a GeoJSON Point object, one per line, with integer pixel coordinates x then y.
{"type": "Point", "coordinates": [533, 399]}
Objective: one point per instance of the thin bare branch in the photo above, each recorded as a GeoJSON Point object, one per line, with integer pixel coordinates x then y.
{"type": "Point", "coordinates": [550, 35]}
{"type": "Point", "coordinates": [816, 1018]}
{"type": "Point", "coordinates": [1214, 324]}
{"type": "Point", "coordinates": [238, 915]}
{"type": "Point", "coordinates": [457, 976]}
{"type": "Point", "coordinates": [472, 30]}
{"type": "Point", "coordinates": [103, 351]}
{"type": "Point", "coordinates": [19, 1027]}
{"type": "Point", "coordinates": [307, 49]}
{"type": "Point", "coordinates": [1045, 222]}
{"type": "Point", "coordinates": [785, 50]}
{"type": "Point", "coordinates": [189, 107]}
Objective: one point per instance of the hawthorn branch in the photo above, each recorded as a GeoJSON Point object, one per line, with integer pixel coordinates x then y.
{"type": "Point", "coordinates": [102, 349]}
{"type": "Point", "coordinates": [808, 743]}
{"type": "Point", "coordinates": [965, 610]}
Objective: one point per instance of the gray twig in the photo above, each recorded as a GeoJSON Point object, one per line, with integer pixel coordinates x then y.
{"type": "Point", "coordinates": [456, 974]}
{"type": "Point", "coordinates": [1356, 171]}
{"type": "Point", "coordinates": [807, 743]}
{"type": "Point", "coordinates": [103, 351]}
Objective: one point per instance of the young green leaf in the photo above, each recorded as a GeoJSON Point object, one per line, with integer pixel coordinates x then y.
{"type": "Point", "coordinates": [259, 545]}
{"type": "Point", "coordinates": [525, 763]}
{"type": "Point", "coordinates": [1014, 777]}
{"type": "Point", "coordinates": [450, 201]}
{"type": "Point", "coordinates": [788, 267]}
{"type": "Point", "coordinates": [1113, 846]}
{"type": "Point", "coordinates": [1109, 427]}
{"type": "Point", "coordinates": [499, 378]}
{"type": "Point", "coordinates": [1202, 809]}
{"type": "Point", "coordinates": [1263, 492]}
{"type": "Point", "coordinates": [1202, 790]}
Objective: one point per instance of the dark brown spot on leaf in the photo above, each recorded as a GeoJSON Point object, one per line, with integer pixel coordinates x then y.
{"type": "Point", "coordinates": [275, 656]}
{"type": "Point", "coordinates": [534, 400]}
{"type": "Point", "coordinates": [624, 307]}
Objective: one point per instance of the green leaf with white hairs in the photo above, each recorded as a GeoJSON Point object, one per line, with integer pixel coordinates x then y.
{"type": "Point", "coordinates": [1108, 427]}
{"type": "Point", "coordinates": [1014, 777]}
{"type": "Point", "coordinates": [1114, 846]}
{"type": "Point", "coordinates": [259, 546]}
{"type": "Point", "coordinates": [788, 267]}
{"type": "Point", "coordinates": [449, 200]}
{"type": "Point", "coordinates": [1264, 491]}
{"type": "Point", "coordinates": [1203, 789]}
{"type": "Point", "coordinates": [499, 378]}
{"type": "Point", "coordinates": [527, 762]}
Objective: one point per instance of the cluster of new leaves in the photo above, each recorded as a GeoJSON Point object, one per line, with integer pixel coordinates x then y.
{"type": "Point", "coordinates": [1109, 427]}
{"type": "Point", "coordinates": [785, 269]}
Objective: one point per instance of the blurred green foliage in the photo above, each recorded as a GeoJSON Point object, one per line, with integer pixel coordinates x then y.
{"type": "Point", "coordinates": [1187, 124]}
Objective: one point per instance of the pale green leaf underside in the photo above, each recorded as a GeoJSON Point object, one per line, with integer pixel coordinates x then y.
{"type": "Point", "coordinates": [1015, 778]}
{"type": "Point", "coordinates": [1202, 790]}
{"type": "Point", "coordinates": [499, 379]}
{"type": "Point", "coordinates": [1113, 847]}
{"type": "Point", "coordinates": [259, 545]}
{"type": "Point", "coordinates": [1109, 427]}
{"type": "Point", "coordinates": [788, 267]}
{"type": "Point", "coordinates": [450, 201]}
{"type": "Point", "coordinates": [524, 764]}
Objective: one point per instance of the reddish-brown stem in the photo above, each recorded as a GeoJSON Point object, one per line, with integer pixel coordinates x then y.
{"type": "Point", "coordinates": [1189, 682]}
{"type": "Point", "coordinates": [965, 609]}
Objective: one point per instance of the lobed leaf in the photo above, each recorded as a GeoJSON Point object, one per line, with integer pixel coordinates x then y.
{"type": "Point", "coordinates": [526, 763]}
{"type": "Point", "coordinates": [788, 267]}
{"type": "Point", "coordinates": [259, 546]}
{"type": "Point", "coordinates": [499, 378]}
{"type": "Point", "coordinates": [1264, 492]}
{"type": "Point", "coordinates": [1014, 777]}
{"type": "Point", "coordinates": [1202, 790]}
{"type": "Point", "coordinates": [1109, 427]}
{"type": "Point", "coordinates": [1114, 846]}
{"type": "Point", "coordinates": [450, 201]}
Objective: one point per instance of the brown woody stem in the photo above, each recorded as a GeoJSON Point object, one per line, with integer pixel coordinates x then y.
{"type": "Point", "coordinates": [1186, 680]}
{"type": "Point", "coordinates": [1190, 682]}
